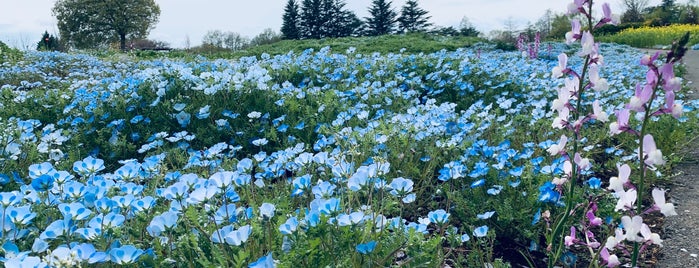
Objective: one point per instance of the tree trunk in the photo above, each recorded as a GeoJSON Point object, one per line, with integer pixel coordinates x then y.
{"type": "Point", "coordinates": [122, 42]}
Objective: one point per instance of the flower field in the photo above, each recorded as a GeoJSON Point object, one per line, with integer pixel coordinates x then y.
{"type": "Point", "coordinates": [654, 36]}
{"type": "Point", "coordinates": [311, 159]}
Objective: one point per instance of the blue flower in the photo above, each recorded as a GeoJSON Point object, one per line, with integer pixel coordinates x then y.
{"type": "Point", "coordinates": [88, 166]}
{"type": "Point", "coordinates": [267, 210]}
{"type": "Point", "coordinates": [485, 215]}
{"type": "Point", "coordinates": [42, 183]}
{"type": "Point", "coordinates": [366, 248]}
{"type": "Point", "coordinates": [594, 183]}
{"type": "Point", "coordinates": [264, 262]}
{"type": "Point", "coordinates": [162, 222]}
{"type": "Point", "coordinates": [289, 227]}
{"type": "Point", "coordinates": [125, 255]}
{"type": "Point", "coordinates": [481, 231]}
{"type": "Point", "coordinates": [439, 217]}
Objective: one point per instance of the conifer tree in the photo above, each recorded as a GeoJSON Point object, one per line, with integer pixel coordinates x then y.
{"type": "Point", "coordinates": [383, 18]}
{"type": "Point", "coordinates": [413, 18]}
{"type": "Point", "coordinates": [290, 24]}
{"type": "Point", "coordinates": [311, 21]}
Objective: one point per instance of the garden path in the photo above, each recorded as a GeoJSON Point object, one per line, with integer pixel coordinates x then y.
{"type": "Point", "coordinates": [681, 245]}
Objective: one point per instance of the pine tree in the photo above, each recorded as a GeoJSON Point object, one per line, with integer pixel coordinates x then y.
{"type": "Point", "coordinates": [383, 18]}
{"type": "Point", "coordinates": [290, 24]}
{"type": "Point", "coordinates": [310, 22]}
{"type": "Point", "coordinates": [413, 18]}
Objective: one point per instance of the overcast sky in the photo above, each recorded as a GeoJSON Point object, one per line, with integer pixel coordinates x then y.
{"type": "Point", "coordinates": [23, 21]}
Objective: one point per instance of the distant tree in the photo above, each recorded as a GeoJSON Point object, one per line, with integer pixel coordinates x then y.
{"type": "Point", "coordinates": [634, 10]}
{"type": "Point", "coordinates": [689, 14]}
{"type": "Point", "coordinates": [48, 42]}
{"type": "Point", "coordinates": [382, 19]}
{"type": "Point", "coordinates": [545, 24]}
{"type": "Point", "coordinates": [91, 23]}
{"type": "Point", "coordinates": [267, 36]}
{"type": "Point", "coordinates": [147, 44]}
{"type": "Point", "coordinates": [290, 21]}
{"type": "Point", "coordinates": [467, 29]}
{"type": "Point", "coordinates": [413, 18]}
{"type": "Point", "coordinates": [445, 31]}
{"type": "Point", "coordinates": [225, 40]}
{"type": "Point", "coordinates": [559, 26]}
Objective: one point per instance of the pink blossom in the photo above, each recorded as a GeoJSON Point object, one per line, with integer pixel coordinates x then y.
{"type": "Point", "coordinates": [648, 60]}
{"type": "Point", "coordinates": [650, 236]}
{"type": "Point", "coordinates": [621, 124]}
{"type": "Point", "coordinates": [642, 96]}
{"type": "Point", "coordinates": [613, 241]}
{"type": "Point", "coordinates": [583, 163]}
{"type": "Point", "coordinates": [608, 16]}
{"type": "Point", "coordinates": [562, 119]}
{"type": "Point", "coordinates": [616, 184]}
{"type": "Point", "coordinates": [668, 209]}
{"type": "Point", "coordinates": [611, 260]}
{"type": "Point", "coordinates": [575, 32]}
{"type": "Point", "coordinates": [626, 200]}
{"type": "Point", "coordinates": [598, 113]}
{"type": "Point", "coordinates": [632, 226]}
{"type": "Point", "coordinates": [599, 84]}
{"type": "Point", "coordinates": [562, 65]}
{"type": "Point", "coordinates": [588, 44]}
{"type": "Point", "coordinates": [651, 155]}
{"type": "Point", "coordinates": [558, 147]}
{"type": "Point", "coordinates": [570, 240]}
{"type": "Point", "coordinates": [576, 6]}
{"type": "Point", "coordinates": [594, 220]}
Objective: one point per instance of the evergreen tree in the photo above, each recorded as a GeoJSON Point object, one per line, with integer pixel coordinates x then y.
{"type": "Point", "coordinates": [311, 22]}
{"type": "Point", "coordinates": [48, 42]}
{"type": "Point", "coordinates": [290, 24]}
{"type": "Point", "coordinates": [413, 18]}
{"type": "Point", "coordinates": [383, 18]}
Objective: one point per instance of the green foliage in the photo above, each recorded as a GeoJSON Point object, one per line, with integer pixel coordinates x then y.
{"type": "Point", "coordinates": [8, 54]}
{"type": "Point", "coordinates": [94, 23]}
{"type": "Point", "coordinates": [413, 18]}
{"type": "Point", "coordinates": [327, 18]}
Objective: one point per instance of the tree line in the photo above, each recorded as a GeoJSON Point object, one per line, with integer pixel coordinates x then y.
{"type": "Point", "coordinates": [314, 19]}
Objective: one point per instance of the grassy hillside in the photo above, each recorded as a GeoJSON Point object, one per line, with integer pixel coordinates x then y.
{"type": "Point", "coordinates": [411, 43]}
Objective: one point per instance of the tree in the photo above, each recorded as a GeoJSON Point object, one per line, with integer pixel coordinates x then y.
{"type": "Point", "coordinates": [90, 23]}
{"type": "Point", "coordinates": [545, 23]}
{"type": "Point", "coordinates": [383, 18]}
{"type": "Point", "coordinates": [225, 40]}
{"type": "Point", "coordinates": [267, 36]}
{"type": "Point", "coordinates": [634, 9]}
{"type": "Point", "coordinates": [290, 21]}
{"type": "Point", "coordinates": [48, 42]}
{"type": "Point", "coordinates": [327, 18]}
{"type": "Point", "coordinates": [413, 18]}
{"type": "Point", "coordinates": [467, 29]}
{"type": "Point", "coordinates": [311, 21]}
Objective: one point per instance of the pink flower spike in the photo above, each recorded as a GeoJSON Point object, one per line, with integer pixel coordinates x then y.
{"type": "Point", "coordinates": [570, 239]}
{"type": "Point", "coordinates": [651, 155]}
{"type": "Point", "coordinates": [651, 78]}
{"type": "Point", "coordinates": [668, 209]}
{"type": "Point", "coordinates": [622, 122]}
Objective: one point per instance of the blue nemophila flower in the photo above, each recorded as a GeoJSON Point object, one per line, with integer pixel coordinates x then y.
{"type": "Point", "coordinates": [88, 233]}
{"type": "Point", "coordinates": [267, 210]}
{"type": "Point", "coordinates": [594, 183]}
{"type": "Point", "coordinates": [225, 213]}
{"type": "Point", "coordinates": [329, 206]}
{"type": "Point", "coordinates": [87, 252]}
{"type": "Point", "coordinates": [204, 112]}
{"type": "Point", "coordinates": [10, 198]}
{"type": "Point", "coordinates": [478, 183]}
{"type": "Point", "coordinates": [264, 262]}
{"type": "Point", "coordinates": [238, 237]}
{"type": "Point", "coordinates": [465, 238]}
{"type": "Point", "coordinates": [20, 215]}
{"type": "Point", "coordinates": [88, 166]}
{"type": "Point", "coordinates": [301, 184]}
{"type": "Point", "coordinates": [324, 189]}
{"type": "Point", "coordinates": [75, 211]}
{"type": "Point", "coordinates": [58, 228]}
{"type": "Point", "coordinates": [162, 223]}
{"type": "Point", "coordinates": [36, 170]}
{"type": "Point", "coordinates": [537, 217]}
{"type": "Point", "coordinates": [289, 227]}
{"type": "Point", "coordinates": [486, 215]}
{"type": "Point", "coordinates": [548, 193]}
{"type": "Point", "coordinates": [366, 248]}
{"type": "Point", "coordinates": [125, 254]}
{"type": "Point", "coordinates": [495, 190]}
{"type": "Point", "coordinates": [480, 231]}
{"type": "Point", "coordinates": [451, 170]}
{"type": "Point", "coordinates": [103, 222]}
{"type": "Point", "coordinates": [401, 187]}
{"type": "Point", "coordinates": [43, 183]}
{"type": "Point", "coordinates": [183, 118]}
{"type": "Point", "coordinates": [353, 218]}
{"type": "Point", "coordinates": [143, 204]}
{"type": "Point", "coordinates": [260, 142]}
{"type": "Point", "coordinates": [439, 217]}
